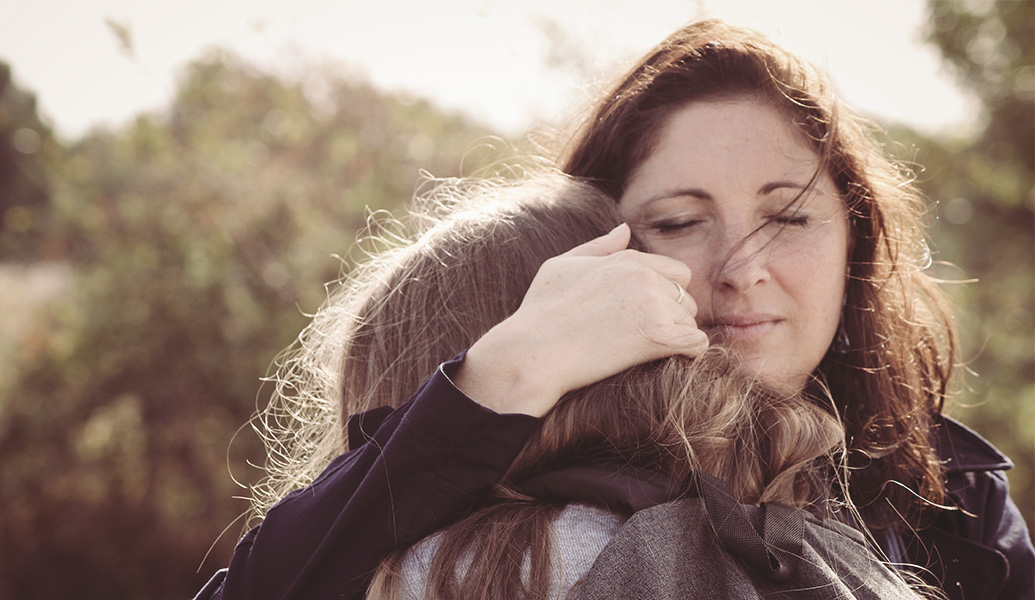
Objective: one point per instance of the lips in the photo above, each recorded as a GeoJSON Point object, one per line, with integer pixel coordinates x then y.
{"type": "Point", "coordinates": [745, 325]}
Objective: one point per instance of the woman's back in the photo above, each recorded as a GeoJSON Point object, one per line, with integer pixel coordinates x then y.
{"type": "Point", "coordinates": [579, 533]}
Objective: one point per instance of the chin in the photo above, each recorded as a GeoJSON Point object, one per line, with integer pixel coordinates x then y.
{"type": "Point", "coordinates": [775, 376]}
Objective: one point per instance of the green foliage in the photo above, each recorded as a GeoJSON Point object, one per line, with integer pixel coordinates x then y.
{"type": "Point", "coordinates": [991, 46]}
{"type": "Point", "coordinates": [985, 221]}
{"type": "Point", "coordinates": [26, 144]}
{"type": "Point", "coordinates": [198, 238]}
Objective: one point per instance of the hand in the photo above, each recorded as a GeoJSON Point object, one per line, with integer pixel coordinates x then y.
{"type": "Point", "coordinates": [590, 313]}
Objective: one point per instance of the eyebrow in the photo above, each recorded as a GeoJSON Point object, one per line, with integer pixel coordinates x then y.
{"type": "Point", "coordinates": [703, 195]}
{"type": "Point", "coordinates": [692, 192]}
{"type": "Point", "coordinates": [779, 185]}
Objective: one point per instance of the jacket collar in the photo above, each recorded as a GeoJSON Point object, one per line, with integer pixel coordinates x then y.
{"type": "Point", "coordinates": [622, 489]}
{"type": "Point", "coordinates": [961, 449]}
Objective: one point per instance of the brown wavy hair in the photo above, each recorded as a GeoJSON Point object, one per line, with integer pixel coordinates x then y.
{"type": "Point", "coordinates": [672, 417]}
{"type": "Point", "coordinates": [894, 372]}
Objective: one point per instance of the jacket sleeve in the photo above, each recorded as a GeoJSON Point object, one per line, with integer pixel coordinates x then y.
{"type": "Point", "coordinates": [1008, 533]}
{"type": "Point", "coordinates": [424, 467]}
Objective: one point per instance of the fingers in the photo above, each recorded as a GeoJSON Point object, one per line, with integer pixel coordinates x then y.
{"type": "Point", "coordinates": [680, 292]}
{"type": "Point", "coordinates": [695, 344]}
{"type": "Point", "coordinates": [686, 301]}
{"type": "Point", "coordinates": [609, 243]}
{"type": "Point", "coordinates": [669, 268]}
{"type": "Point", "coordinates": [680, 336]}
{"type": "Point", "coordinates": [592, 312]}
{"type": "Point", "coordinates": [617, 241]}
{"type": "Point", "coordinates": [663, 278]}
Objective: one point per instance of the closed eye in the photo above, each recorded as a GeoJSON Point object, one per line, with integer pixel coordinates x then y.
{"type": "Point", "coordinates": [796, 220]}
{"type": "Point", "coordinates": [674, 226]}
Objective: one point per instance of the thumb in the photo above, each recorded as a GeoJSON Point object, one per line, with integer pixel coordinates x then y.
{"type": "Point", "coordinates": [613, 241]}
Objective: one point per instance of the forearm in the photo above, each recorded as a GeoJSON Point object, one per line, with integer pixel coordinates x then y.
{"type": "Point", "coordinates": [424, 467]}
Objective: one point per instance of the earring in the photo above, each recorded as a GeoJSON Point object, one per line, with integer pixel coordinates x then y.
{"type": "Point", "coordinates": [841, 342]}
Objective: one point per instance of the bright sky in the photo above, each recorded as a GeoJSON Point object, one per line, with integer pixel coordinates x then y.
{"type": "Point", "coordinates": [490, 58]}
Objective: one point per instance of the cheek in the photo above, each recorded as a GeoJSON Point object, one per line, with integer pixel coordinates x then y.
{"type": "Point", "coordinates": [822, 265]}
{"type": "Point", "coordinates": [691, 255]}
{"type": "Point", "coordinates": [818, 282]}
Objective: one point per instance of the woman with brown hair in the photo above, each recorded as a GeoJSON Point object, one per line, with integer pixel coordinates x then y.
{"type": "Point", "coordinates": [775, 227]}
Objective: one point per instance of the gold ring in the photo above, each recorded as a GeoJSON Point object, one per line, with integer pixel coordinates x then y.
{"type": "Point", "coordinates": [682, 292]}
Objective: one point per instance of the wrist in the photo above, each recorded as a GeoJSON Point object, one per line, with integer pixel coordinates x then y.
{"type": "Point", "coordinates": [500, 373]}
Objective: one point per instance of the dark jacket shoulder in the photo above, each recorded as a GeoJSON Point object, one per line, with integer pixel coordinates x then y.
{"type": "Point", "coordinates": [963, 449]}
{"type": "Point", "coordinates": [979, 547]}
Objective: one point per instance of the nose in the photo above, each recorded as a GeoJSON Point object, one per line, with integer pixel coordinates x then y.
{"type": "Point", "coordinates": [742, 263]}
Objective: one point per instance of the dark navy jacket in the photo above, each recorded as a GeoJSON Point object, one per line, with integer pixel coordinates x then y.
{"type": "Point", "coordinates": [412, 471]}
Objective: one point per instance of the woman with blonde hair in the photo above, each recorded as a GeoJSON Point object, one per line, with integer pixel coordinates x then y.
{"type": "Point", "coordinates": [774, 226]}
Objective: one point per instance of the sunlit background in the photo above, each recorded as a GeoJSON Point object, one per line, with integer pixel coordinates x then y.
{"type": "Point", "coordinates": [176, 179]}
{"type": "Point", "coordinates": [506, 62]}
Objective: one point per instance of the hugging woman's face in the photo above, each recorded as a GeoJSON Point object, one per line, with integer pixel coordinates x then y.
{"type": "Point", "coordinates": [722, 191]}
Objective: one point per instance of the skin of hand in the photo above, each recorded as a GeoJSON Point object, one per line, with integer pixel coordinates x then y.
{"type": "Point", "coordinates": [589, 313]}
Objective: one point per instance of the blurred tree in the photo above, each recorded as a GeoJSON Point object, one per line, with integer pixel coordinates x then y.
{"type": "Point", "coordinates": [991, 47]}
{"type": "Point", "coordinates": [199, 237]}
{"type": "Point", "coordinates": [984, 187]}
{"type": "Point", "coordinates": [25, 145]}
